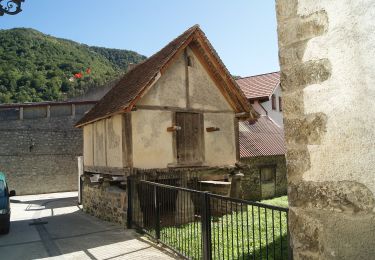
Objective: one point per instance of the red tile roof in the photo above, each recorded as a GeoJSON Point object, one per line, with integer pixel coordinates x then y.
{"type": "Point", "coordinates": [259, 86]}
{"type": "Point", "coordinates": [262, 138]}
{"type": "Point", "coordinates": [124, 95]}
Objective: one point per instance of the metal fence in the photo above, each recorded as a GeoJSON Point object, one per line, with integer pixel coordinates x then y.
{"type": "Point", "coordinates": [202, 225]}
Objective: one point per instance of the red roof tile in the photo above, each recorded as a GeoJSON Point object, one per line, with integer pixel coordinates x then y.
{"type": "Point", "coordinates": [124, 95]}
{"type": "Point", "coordinates": [259, 86]}
{"type": "Point", "coordinates": [262, 138]}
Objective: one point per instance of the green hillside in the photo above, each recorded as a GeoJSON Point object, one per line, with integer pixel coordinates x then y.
{"type": "Point", "coordinates": [37, 67]}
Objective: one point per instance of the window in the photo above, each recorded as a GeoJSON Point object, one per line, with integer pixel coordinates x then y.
{"type": "Point", "coordinates": [189, 61]}
{"type": "Point", "coordinates": [273, 100]}
{"type": "Point", "coordinates": [267, 174]}
{"type": "Point", "coordinates": [280, 104]}
{"type": "Point", "coordinates": [189, 139]}
{"type": "Point", "coordinates": [268, 182]}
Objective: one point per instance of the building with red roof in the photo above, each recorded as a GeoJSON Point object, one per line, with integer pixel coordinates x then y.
{"type": "Point", "coordinates": [261, 142]}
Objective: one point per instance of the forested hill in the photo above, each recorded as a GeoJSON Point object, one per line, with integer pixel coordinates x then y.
{"type": "Point", "coordinates": [37, 67]}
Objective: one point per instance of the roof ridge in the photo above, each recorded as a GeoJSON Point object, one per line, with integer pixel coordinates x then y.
{"type": "Point", "coordinates": [192, 29]}
{"type": "Point", "coordinates": [134, 84]}
{"type": "Point", "coordinates": [263, 74]}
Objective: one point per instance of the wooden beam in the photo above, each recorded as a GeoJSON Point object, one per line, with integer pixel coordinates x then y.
{"type": "Point", "coordinates": [180, 50]}
{"type": "Point", "coordinates": [212, 129]}
{"type": "Point", "coordinates": [187, 79]}
{"type": "Point", "coordinates": [174, 139]}
{"type": "Point", "coordinates": [179, 109]}
{"type": "Point", "coordinates": [105, 141]}
{"type": "Point", "coordinates": [48, 111]}
{"type": "Point", "coordinates": [73, 110]}
{"type": "Point", "coordinates": [21, 113]}
{"type": "Point", "coordinates": [118, 171]}
{"type": "Point", "coordinates": [237, 139]}
{"type": "Point", "coordinates": [128, 140]}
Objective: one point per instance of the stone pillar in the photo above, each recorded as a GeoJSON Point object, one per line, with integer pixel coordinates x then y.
{"type": "Point", "coordinates": [137, 209]}
{"type": "Point", "coordinates": [184, 205]}
{"type": "Point", "coordinates": [235, 185]}
{"type": "Point", "coordinates": [326, 53]}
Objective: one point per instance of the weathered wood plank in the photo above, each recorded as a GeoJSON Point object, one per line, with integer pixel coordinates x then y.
{"type": "Point", "coordinates": [128, 140]}
{"type": "Point", "coordinates": [179, 109]}
{"type": "Point", "coordinates": [189, 140]}
{"type": "Point", "coordinates": [118, 171]}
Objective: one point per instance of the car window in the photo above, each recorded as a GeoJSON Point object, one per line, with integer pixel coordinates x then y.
{"type": "Point", "coordinates": [2, 189]}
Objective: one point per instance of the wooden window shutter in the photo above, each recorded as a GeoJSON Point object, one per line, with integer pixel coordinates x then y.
{"type": "Point", "coordinates": [273, 100]}
{"type": "Point", "coordinates": [189, 139]}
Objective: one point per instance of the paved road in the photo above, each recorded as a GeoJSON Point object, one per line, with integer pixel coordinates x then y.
{"type": "Point", "coordinates": [52, 226]}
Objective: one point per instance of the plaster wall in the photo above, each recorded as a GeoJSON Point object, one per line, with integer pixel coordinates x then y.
{"type": "Point", "coordinates": [114, 141]}
{"type": "Point", "coordinates": [275, 115]}
{"type": "Point", "coordinates": [99, 132]}
{"type": "Point", "coordinates": [220, 148]}
{"type": "Point", "coordinates": [326, 50]}
{"type": "Point", "coordinates": [88, 145]}
{"type": "Point", "coordinates": [203, 92]}
{"type": "Point", "coordinates": [152, 144]}
{"type": "Point", "coordinates": [170, 89]}
{"type": "Point", "coordinates": [103, 143]}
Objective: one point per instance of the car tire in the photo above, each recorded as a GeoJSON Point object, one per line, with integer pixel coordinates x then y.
{"type": "Point", "coordinates": [6, 229]}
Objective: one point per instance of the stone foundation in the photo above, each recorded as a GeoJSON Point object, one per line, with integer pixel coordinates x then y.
{"type": "Point", "coordinates": [251, 186]}
{"type": "Point", "coordinates": [106, 202]}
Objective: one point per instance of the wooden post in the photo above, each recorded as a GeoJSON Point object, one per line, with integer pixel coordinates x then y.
{"type": "Point", "coordinates": [21, 113]}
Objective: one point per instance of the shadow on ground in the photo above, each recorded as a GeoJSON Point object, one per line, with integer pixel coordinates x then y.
{"type": "Point", "coordinates": [68, 231]}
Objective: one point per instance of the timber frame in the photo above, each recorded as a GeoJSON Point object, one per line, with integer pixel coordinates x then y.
{"type": "Point", "coordinates": [193, 38]}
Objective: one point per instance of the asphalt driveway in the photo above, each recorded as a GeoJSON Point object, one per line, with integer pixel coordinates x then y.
{"type": "Point", "coordinates": [53, 226]}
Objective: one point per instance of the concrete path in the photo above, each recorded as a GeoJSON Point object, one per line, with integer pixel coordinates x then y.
{"type": "Point", "coordinates": [52, 226]}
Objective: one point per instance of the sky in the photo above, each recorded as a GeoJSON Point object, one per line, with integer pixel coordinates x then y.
{"type": "Point", "coordinates": [243, 32]}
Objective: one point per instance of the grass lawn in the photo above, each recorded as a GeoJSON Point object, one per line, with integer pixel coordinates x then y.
{"type": "Point", "coordinates": [280, 201]}
{"type": "Point", "coordinates": [243, 232]}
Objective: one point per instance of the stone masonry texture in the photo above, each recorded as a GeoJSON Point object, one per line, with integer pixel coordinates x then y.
{"type": "Point", "coordinates": [326, 51]}
{"type": "Point", "coordinates": [251, 188]}
{"type": "Point", "coordinates": [39, 154]}
{"type": "Point", "coordinates": [106, 202]}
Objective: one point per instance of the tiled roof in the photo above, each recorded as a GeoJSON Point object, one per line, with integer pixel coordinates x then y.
{"type": "Point", "coordinates": [262, 138]}
{"type": "Point", "coordinates": [124, 95]}
{"type": "Point", "coordinates": [259, 86]}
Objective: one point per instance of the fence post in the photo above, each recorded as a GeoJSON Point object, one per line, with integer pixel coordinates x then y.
{"type": "Point", "coordinates": [290, 250]}
{"type": "Point", "coordinates": [206, 225]}
{"type": "Point", "coordinates": [129, 215]}
{"type": "Point", "coordinates": [157, 213]}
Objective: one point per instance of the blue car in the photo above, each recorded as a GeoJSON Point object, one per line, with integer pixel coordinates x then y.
{"type": "Point", "coordinates": [5, 204]}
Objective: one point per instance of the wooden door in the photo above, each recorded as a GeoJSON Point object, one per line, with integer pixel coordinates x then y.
{"type": "Point", "coordinates": [189, 139]}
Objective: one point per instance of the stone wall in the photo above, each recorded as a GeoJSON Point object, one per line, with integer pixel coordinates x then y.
{"type": "Point", "coordinates": [107, 198]}
{"type": "Point", "coordinates": [326, 51]}
{"type": "Point", "coordinates": [39, 146]}
{"type": "Point", "coordinates": [251, 186]}
{"type": "Point", "coordinates": [105, 202]}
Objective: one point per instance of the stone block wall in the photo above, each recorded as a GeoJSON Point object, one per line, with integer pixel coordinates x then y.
{"type": "Point", "coordinates": [106, 202]}
{"type": "Point", "coordinates": [326, 51]}
{"type": "Point", "coordinates": [251, 186]}
{"type": "Point", "coordinates": [39, 147]}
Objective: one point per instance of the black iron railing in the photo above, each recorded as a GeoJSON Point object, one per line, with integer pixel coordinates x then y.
{"type": "Point", "coordinates": [202, 225]}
